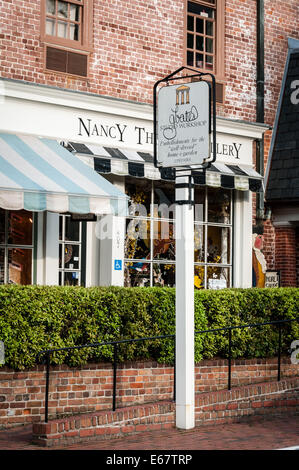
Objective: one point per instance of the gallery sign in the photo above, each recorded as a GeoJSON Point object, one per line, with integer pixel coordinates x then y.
{"type": "Point", "coordinates": [183, 124]}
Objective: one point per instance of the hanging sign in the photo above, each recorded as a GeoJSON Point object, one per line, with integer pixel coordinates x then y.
{"type": "Point", "coordinates": [183, 124]}
{"type": "Point", "coordinates": [272, 279]}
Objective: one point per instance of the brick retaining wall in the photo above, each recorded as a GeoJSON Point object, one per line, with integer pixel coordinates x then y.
{"type": "Point", "coordinates": [89, 388]}
{"type": "Point", "coordinates": [210, 408]}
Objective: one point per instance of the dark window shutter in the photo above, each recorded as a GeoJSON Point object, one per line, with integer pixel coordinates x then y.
{"type": "Point", "coordinates": [65, 61]}
{"type": "Point", "coordinates": [56, 59]}
{"type": "Point", "coordinates": [219, 92]}
{"type": "Point", "coordinates": [77, 64]}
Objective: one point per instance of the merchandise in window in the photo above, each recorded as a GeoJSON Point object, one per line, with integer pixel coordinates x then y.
{"type": "Point", "coordinates": [16, 247]}
{"type": "Point", "coordinates": [150, 236]}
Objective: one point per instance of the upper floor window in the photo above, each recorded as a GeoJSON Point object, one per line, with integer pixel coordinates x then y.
{"type": "Point", "coordinates": [66, 30]}
{"type": "Point", "coordinates": [205, 36]}
{"type": "Point", "coordinates": [64, 19]}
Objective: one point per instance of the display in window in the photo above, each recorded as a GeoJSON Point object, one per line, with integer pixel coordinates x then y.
{"type": "Point", "coordinates": [199, 277]}
{"type": "Point", "coordinates": [218, 249]}
{"type": "Point", "coordinates": [19, 266]}
{"type": "Point", "coordinates": [163, 242]}
{"type": "Point", "coordinates": [218, 278]}
{"type": "Point", "coordinates": [199, 245]}
{"type": "Point", "coordinates": [163, 275]}
{"type": "Point", "coordinates": [219, 206]}
{"type": "Point", "coordinates": [20, 227]}
{"type": "Point", "coordinates": [137, 274]}
{"type": "Point", "coordinates": [137, 241]}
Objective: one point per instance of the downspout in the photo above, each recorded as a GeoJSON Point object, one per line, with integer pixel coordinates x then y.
{"type": "Point", "coordinates": [260, 109]}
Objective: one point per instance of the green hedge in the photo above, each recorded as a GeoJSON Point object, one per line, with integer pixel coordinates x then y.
{"type": "Point", "coordinates": [33, 318]}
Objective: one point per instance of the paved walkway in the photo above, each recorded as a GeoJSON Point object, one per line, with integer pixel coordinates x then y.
{"type": "Point", "coordinates": [270, 434]}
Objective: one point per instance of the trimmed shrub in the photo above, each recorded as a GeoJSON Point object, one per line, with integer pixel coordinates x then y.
{"type": "Point", "coordinates": [35, 318]}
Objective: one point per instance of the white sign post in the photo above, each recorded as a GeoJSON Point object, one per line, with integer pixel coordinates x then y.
{"type": "Point", "coordinates": [182, 139]}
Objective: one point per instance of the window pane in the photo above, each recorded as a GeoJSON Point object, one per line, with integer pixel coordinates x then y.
{"type": "Point", "coordinates": [137, 275]}
{"type": "Point", "coordinates": [62, 9]}
{"type": "Point", "coordinates": [72, 229]}
{"type": "Point", "coordinates": [163, 275]}
{"type": "Point", "coordinates": [199, 60]}
{"type": "Point", "coordinates": [164, 200]}
{"type": "Point", "coordinates": [199, 244]}
{"type": "Point", "coordinates": [199, 275]}
{"type": "Point", "coordinates": [190, 41]}
{"type": "Point", "coordinates": [74, 32]}
{"type": "Point", "coordinates": [218, 278]}
{"type": "Point", "coordinates": [2, 258]}
{"type": "Point", "coordinates": [51, 7]}
{"type": "Point", "coordinates": [218, 249]}
{"type": "Point", "coordinates": [62, 29]}
{"type": "Point", "coordinates": [199, 206]}
{"type": "Point", "coordinates": [50, 27]}
{"type": "Point", "coordinates": [190, 23]}
{"type": "Point", "coordinates": [71, 256]}
{"type": "Point", "coordinates": [140, 195]}
{"type": "Point", "coordinates": [209, 62]}
{"type": "Point", "coordinates": [219, 206]}
{"type": "Point", "coordinates": [2, 226]}
{"type": "Point", "coordinates": [209, 45]}
{"type": "Point", "coordinates": [190, 58]}
{"type": "Point", "coordinates": [19, 266]}
{"type": "Point", "coordinates": [20, 227]}
{"type": "Point", "coordinates": [209, 28]}
{"type": "Point", "coordinates": [198, 9]}
{"type": "Point", "coordinates": [164, 242]}
{"type": "Point", "coordinates": [137, 241]}
{"type": "Point", "coordinates": [199, 43]}
{"type": "Point", "coordinates": [199, 25]}
{"type": "Point", "coordinates": [71, 278]}
{"type": "Point", "coordinates": [75, 12]}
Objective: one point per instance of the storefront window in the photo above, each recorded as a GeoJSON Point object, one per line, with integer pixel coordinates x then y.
{"type": "Point", "coordinates": [16, 247]}
{"type": "Point", "coordinates": [150, 236]}
{"type": "Point", "coordinates": [70, 251]}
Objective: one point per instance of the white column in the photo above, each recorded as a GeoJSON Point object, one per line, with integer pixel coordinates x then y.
{"type": "Point", "coordinates": [111, 232]}
{"type": "Point", "coordinates": [242, 261]}
{"type": "Point", "coordinates": [51, 248]}
{"type": "Point", "coordinates": [184, 309]}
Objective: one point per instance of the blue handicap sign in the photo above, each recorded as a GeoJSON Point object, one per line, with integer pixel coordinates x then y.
{"type": "Point", "coordinates": [118, 264]}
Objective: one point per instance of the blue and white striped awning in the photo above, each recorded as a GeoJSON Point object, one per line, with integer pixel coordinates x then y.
{"type": "Point", "coordinates": [38, 174]}
{"type": "Point", "coordinates": [125, 162]}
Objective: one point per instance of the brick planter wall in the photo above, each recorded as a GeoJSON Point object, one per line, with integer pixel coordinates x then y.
{"type": "Point", "coordinates": [89, 388]}
{"type": "Point", "coordinates": [210, 408]}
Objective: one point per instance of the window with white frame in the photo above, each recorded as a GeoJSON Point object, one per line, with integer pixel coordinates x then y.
{"type": "Point", "coordinates": [150, 235]}
{"type": "Point", "coordinates": [71, 251]}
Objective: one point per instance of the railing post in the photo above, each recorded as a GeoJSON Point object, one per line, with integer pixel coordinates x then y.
{"type": "Point", "coordinates": [114, 375]}
{"type": "Point", "coordinates": [229, 357]}
{"type": "Point", "coordinates": [279, 351]}
{"type": "Point", "coordinates": [47, 385]}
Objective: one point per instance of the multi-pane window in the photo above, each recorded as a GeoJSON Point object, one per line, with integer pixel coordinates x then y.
{"type": "Point", "coordinates": [150, 236]}
{"type": "Point", "coordinates": [16, 247]}
{"type": "Point", "coordinates": [201, 34]}
{"type": "Point", "coordinates": [70, 251]}
{"type": "Point", "coordinates": [205, 39]}
{"type": "Point", "coordinates": [64, 19]}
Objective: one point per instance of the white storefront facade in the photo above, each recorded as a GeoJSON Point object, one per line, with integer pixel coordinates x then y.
{"type": "Point", "coordinates": [115, 138]}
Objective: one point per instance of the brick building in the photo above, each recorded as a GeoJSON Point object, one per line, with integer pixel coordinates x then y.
{"type": "Point", "coordinates": [81, 73]}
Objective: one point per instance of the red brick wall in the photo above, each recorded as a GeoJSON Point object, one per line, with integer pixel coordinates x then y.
{"type": "Point", "coordinates": [249, 402]}
{"type": "Point", "coordinates": [285, 255]}
{"type": "Point", "coordinates": [136, 43]}
{"type": "Point", "coordinates": [86, 389]}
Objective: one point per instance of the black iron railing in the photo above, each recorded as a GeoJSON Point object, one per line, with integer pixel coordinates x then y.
{"type": "Point", "coordinates": [47, 354]}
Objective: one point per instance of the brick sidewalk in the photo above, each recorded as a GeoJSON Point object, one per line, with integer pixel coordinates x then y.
{"type": "Point", "coordinates": [263, 434]}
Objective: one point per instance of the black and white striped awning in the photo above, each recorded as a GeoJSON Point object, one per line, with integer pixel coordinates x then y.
{"type": "Point", "coordinates": [124, 162]}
